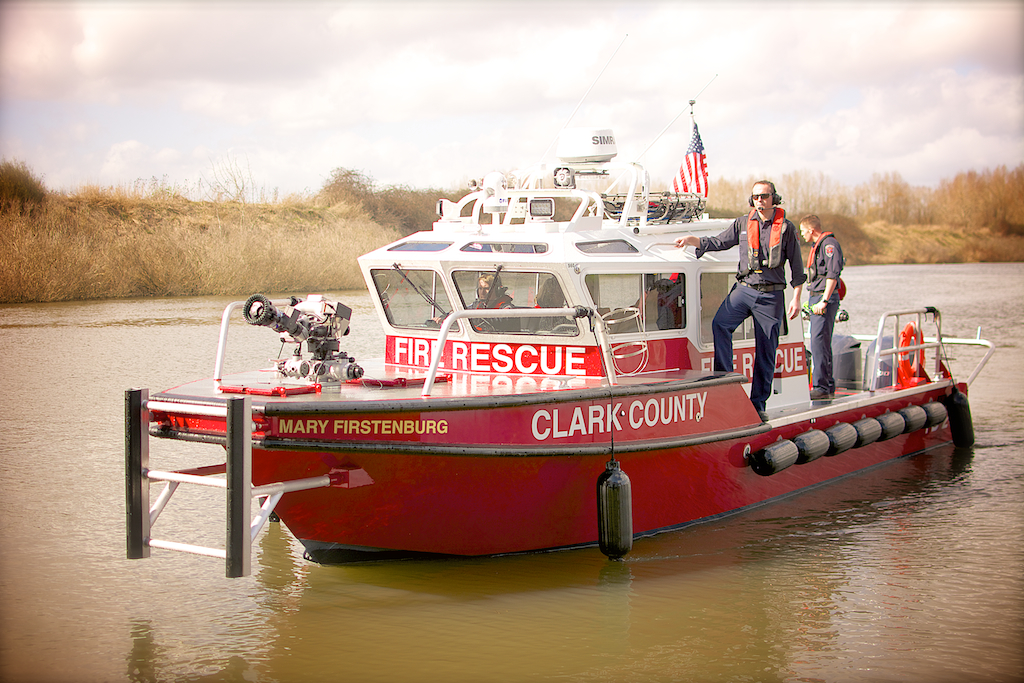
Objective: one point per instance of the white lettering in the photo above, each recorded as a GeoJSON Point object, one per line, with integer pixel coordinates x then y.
{"type": "Point", "coordinates": [459, 350]}
{"type": "Point", "coordinates": [595, 419]}
{"type": "Point", "coordinates": [554, 368]}
{"type": "Point", "coordinates": [578, 424]}
{"type": "Point", "coordinates": [421, 355]}
{"type": "Point", "coordinates": [633, 421]}
{"type": "Point", "coordinates": [651, 403]}
{"type": "Point", "coordinates": [502, 359]}
{"type": "Point", "coordinates": [574, 360]}
{"type": "Point", "coordinates": [537, 434]}
{"type": "Point", "coordinates": [520, 365]}
{"type": "Point", "coordinates": [554, 426]}
{"type": "Point", "coordinates": [479, 357]}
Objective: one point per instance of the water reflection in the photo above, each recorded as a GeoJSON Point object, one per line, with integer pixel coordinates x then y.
{"type": "Point", "coordinates": [909, 572]}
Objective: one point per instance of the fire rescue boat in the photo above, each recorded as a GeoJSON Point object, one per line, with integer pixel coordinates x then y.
{"type": "Point", "coordinates": [546, 383]}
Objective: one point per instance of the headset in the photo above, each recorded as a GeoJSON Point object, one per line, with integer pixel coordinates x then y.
{"type": "Point", "coordinates": [776, 197]}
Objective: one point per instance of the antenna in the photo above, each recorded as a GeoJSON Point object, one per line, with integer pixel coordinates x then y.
{"type": "Point", "coordinates": [580, 104]}
{"type": "Point", "coordinates": [663, 130]}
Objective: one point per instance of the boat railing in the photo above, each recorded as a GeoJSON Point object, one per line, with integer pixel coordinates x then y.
{"type": "Point", "coordinates": [491, 314]}
{"type": "Point", "coordinates": [237, 468]}
{"type": "Point", "coordinates": [937, 342]}
{"type": "Point", "coordinates": [222, 341]}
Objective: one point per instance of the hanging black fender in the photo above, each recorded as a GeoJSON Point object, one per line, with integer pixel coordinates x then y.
{"type": "Point", "coordinates": [614, 512]}
{"type": "Point", "coordinates": [960, 423]}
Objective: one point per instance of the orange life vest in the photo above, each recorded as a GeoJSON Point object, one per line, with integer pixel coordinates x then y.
{"type": "Point", "coordinates": [812, 267]}
{"type": "Point", "coordinates": [774, 240]}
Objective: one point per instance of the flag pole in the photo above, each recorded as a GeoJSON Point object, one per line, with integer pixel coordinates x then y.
{"type": "Point", "coordinates": [683, 111]}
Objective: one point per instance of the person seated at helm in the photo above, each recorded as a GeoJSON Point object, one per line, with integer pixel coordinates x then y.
{"type": "Point", "coordinates": [489, 296]}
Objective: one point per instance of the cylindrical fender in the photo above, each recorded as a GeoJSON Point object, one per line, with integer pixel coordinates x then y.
{"type": "Point", "coordinates": [841, 437]}
{"type": "Point", "coordinates": [774, 457]}
{"type": "Point", "coordinates": [960, 422]}
{"type": "Point", "coordinates": [915, 418]}
{"type": "Point", "coordinates": [614, 511]}
{"type": "Point", "coordinates": [892, 425]}
{"type": "Point", "coordinates": [868, 430]}
{"type": "Point", "coordinates": [936, 413]}
{"type": "Point", "coordinates": [810, 445]}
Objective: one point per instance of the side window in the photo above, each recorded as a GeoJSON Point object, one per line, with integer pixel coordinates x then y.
{"type": "Point", "coordinates": [412, 298]}
{"type": "Point", "coordinates": [485, 289]}
{"type": "Point", "coordinates": [713, 289]}
{"type": "Point", "coordinates": [639, 302]}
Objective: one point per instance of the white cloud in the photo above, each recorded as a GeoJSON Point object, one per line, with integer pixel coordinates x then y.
{"type": "Point", "coordinates": [431, 93]}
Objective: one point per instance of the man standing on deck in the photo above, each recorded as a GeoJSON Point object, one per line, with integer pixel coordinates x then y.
{"type": "Point", "coordinates": [767, 240]}
{"type": "Point", "coordinates": [824, 264]}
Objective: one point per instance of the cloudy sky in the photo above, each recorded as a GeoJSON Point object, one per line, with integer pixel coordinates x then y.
{"type": "Point", "coordinates": [430, 94]}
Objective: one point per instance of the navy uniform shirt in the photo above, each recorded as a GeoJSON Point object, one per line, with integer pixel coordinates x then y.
{"type": "Point", "coordinates": [828, 264]}
{"type": "Point", "coordinates": [736, 234]}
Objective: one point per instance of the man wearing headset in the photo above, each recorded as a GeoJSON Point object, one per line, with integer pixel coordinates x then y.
{"type": "Point", "coordinates": [767, 240]}
{"type": "Point", "coordinates": [824, 265]}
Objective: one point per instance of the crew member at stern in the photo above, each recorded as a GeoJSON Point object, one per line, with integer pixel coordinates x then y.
{"type": "Point", "coordinates": [824, 264]}
{"type": "Point", "coordinates": [771, 242]}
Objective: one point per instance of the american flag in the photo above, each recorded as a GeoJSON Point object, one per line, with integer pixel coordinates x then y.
{"type": "Point", "coordinates": [693, 172]}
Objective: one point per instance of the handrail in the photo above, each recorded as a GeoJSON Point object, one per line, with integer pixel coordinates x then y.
{"type": "Point", "coordinates": [576, 312]}
{"type": "Point", "coordinates": [935, 342]}
{"type": "Point", "coordinates": [222, 342]}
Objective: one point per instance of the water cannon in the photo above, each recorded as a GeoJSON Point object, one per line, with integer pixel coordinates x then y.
{"type": "Point", "coordinates": [318, 322]}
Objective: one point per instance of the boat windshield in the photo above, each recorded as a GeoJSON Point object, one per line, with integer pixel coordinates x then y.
{"type": "Point", "coordinates": [412, 298]}
{"type": "Point", "coordinates": [495, 289]}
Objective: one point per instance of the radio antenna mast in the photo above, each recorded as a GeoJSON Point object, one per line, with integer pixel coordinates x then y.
{"type": "Point", "coordinates": [580, 104]}
{"type": "Point", "coordinates": [663, 130]}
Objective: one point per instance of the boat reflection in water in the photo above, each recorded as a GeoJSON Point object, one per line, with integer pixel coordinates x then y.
{"type": "Point", "coordinates": [774, 593]}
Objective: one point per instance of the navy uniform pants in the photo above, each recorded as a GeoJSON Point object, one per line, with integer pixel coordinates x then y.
{"type": "Point", "coordinates": [821, 343]}
{"type": "Point", "coordinates": [768, 310]}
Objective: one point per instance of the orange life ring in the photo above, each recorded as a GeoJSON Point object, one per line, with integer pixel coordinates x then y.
{"type": "Point", "coordinates": [911, 364]}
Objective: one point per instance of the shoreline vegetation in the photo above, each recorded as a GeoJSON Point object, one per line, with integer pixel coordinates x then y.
{"type": "Point", "coordinates": [154, 240]}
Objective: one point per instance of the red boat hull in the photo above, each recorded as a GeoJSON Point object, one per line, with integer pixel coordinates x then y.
{"type": "Point", "coordinates": [501, 494]}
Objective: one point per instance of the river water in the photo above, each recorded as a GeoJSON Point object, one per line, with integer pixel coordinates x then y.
{"type": "Point", "coordinates": [913, 571]}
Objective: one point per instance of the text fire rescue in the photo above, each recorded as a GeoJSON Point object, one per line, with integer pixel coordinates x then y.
{"type": "Point", "coordinates": [523, 359]}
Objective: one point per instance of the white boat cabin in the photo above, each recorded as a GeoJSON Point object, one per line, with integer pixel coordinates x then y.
{"type": "Point", "coordinates": [588, 232]}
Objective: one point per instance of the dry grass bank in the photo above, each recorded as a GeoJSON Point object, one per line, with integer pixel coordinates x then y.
{"type": "Point", "coordinates": [144, 240]}
{"type": "Point", "coordinates": [99, 245]}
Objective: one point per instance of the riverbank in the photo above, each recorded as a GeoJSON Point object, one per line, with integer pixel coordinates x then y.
{"type": "Point", "coordinates": [105, 244]}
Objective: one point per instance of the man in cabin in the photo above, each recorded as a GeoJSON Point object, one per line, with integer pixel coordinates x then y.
{"type": "Point", "coordinates": [770, 242]}
{"type": "Point", "coordinates": [489, 295]}
{"type": "Point", "coordinates": [824, 264]}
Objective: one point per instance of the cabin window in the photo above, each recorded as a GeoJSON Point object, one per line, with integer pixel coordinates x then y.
{"type": "Point", "coordinates": [412, 298]}
{"type": "Point", "coordinates": [639, 302]}
{"type": "Point", "coordinates": [505, 248]}
{"type": "Point", "coordinates": [420, 246]}
{"type": "Point", "coordinates": [607, 247]}
{"type": "Point", "coordinates": [481, 289]}
{"type": "Point", "coordinates": [713, 289]}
